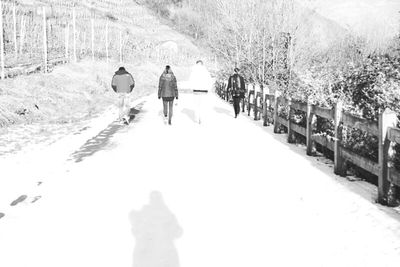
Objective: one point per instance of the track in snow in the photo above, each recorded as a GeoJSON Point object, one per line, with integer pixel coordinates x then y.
{"type": "Point", "coordinates": [240, 195]}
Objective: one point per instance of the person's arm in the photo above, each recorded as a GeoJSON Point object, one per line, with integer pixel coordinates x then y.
{"type": "Point", "coordinates": [209, 80]}
{"type": "Point", "coordinates": [229, 84]}
{"type": "Point", "coordinates": [113, 84]}
{"type": "Point", "coordinates": [243, 85]}
{"type": "Point", "coordinates": [132, 82]}
{"type": "Point", "coordinates": [159, 87]}
{"type": "Point", "coordinates": [176, 87]}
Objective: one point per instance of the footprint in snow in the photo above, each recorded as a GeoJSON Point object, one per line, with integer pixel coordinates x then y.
{"type": "Point", "coordinates": [18, 200]}
{"type": "Point", "coordinates": [36, 199]}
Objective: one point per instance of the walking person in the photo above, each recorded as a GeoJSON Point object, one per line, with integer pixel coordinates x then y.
{"type": "Point", "coordinates": [123, 84]}
{"type": "Point", "coordinates": [237, 87]}
{"type": "Point", "coordinates": [201, 82]}
{"type": "Point", "coordinates": [168, 90]}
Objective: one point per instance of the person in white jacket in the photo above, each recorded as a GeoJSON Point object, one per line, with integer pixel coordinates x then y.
{"type": "Point", "coordinates": [201, 82]}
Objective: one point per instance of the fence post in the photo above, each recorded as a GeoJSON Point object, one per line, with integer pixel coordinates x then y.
{"type": "Point", "coordinates": [311, 119]}
{"type": "Point", "coordinates": [44, 40]}
{"type": "Point", "coordinates": [67, 41]}
{"type": "Point", "coordinates": [255, 105]}
{"type": "Point", "coordinates": [82, 46]}
{"type": "Point", "coordinates": [265, 106]}
{"type": "Point", "coordinates": [261, 114]}
{"type": "Point", "coordinates": [276, 105]}
{"type": "Point", "coordinates": [1, 41]}
{"type": "Point", "coordinates": [387, 119]}
{"type": "Point", "coordinates": [244, 98]}
{"type": "Point", "coordinates": [107, 40]}
{"type": "Point", "coordinates": [22, 34]}
{"type": "Point", "coordinates": [290, 137]}
{"type": "Point", "coordinates": [15, 31]}
{"type": "Point", "coordinates": [226, 95]}
{"type": "Point", "coordinates": [222, 91]}
{"type": "Point", "coordinates": [223, 87]}
{"type": "Point", "coordinates": [339, 161]}
{"type": "Point", "coordinates": [120, 45]}
{"type": "Point", "coordinates": [248, 103]}
{"type": "Point", "coordinates": [74, 29]}
{"type": "Point", "coordinates": [92, 35]}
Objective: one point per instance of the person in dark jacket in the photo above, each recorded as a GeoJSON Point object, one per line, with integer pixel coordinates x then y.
{"type": "Point", "coordinates": [168, 90]}
{"type": "Point", "coordinates": [123, 84]}
{"type": "Point", "coordinates": [237, 88]}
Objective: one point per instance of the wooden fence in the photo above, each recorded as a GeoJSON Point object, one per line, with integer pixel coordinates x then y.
{"type": "Point", "coordinates": [267, 108]}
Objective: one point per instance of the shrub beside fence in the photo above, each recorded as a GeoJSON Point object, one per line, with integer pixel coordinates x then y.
{"type": "Point", "coordinates": [385, 129]}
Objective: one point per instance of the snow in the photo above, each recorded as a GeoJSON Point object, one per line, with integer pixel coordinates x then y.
{"type": "Point", "coordinates": [375, 20]}
{"type": "Point", "coordinates": [241, 194]}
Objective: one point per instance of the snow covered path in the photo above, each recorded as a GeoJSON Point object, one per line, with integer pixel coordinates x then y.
{"type": "Point", "coordinates": [242, 196]}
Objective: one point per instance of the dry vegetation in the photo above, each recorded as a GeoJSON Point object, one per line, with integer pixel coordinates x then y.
{"type": "Point", "coordinates": [121, 29]}
{"type": "Point", "coordinates": [124, 34]}
{"type": "Point", "coordinates": [70, 93]}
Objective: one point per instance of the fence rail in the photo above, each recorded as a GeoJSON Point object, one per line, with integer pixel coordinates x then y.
{"type": "Point", "coordinates": [299, 105]}
{"type": "Point", "coordinates": [324, 141]}
{"type": "Point", "coordinates": [394, 135]}
{"type": "Point", "coordinates": [326, 113]}
{"type": "Point", "coordinates": [360, 123]}
{"type": "Point", "coordinates": [385, 129]}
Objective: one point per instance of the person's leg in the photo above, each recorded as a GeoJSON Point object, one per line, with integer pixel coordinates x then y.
{"type": "Point", "coordinates": [196, 100]}
{"type": "Point", "coordinates": [205, 107]}
{"type": "Point", "coordinates": [170, 112]}
{"type": "Point", "coordinates": [165, 108]}
{"type": "Point", "coordinates": [236, 106]}
{"type": "Point", "coordinates": [200, 107]}
{"type": "Point", "coordinates": [127, 108]}
{"type": "Point", "coordinates": [121, 106]}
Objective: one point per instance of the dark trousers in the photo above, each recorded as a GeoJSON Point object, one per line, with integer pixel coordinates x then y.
{"type": "Point", "coordinates": [236, 105]}
{"type": "Point", "coordinates": [168, 106]}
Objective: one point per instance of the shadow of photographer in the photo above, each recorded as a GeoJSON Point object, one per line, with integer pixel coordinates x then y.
{"type": "Point", "coordinates": [155, 228]}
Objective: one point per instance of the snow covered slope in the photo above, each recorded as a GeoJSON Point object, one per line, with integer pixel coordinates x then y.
{"type": "Point", "coordinates": [378, 20]}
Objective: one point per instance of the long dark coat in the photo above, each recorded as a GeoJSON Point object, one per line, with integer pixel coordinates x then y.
{"type": "Point", "coordinates": [167, 86]}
